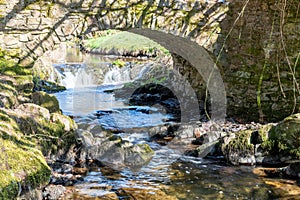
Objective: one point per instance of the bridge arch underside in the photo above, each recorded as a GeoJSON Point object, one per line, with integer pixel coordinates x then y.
{"type": "Point", "coordinates": [208, 89]}
{"type": "Point", "coordinates": [201, 63]}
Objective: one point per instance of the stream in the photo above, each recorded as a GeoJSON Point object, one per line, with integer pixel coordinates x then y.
{"type": "Point", "coordinates": [176, 175]}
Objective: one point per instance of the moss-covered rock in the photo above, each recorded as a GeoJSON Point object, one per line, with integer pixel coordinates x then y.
{"type": "Point", "coordinates": [67, 122]}
{"type": "Point", "coordinates": [284, 138]}
{"type": "Point", "coordinates": [51, 133]}
{"type": "Point", "coordinates": [238, 149]}
{"type": "Point", "coordinates": [8, 96]}
{"type": "Point", "coordinates": [138, 155]}
{"type": "Point", "coordinates": [46, 101]}
{"type": "Point", "coordinates": [28, 131]}
{"type": "Point", "coordinates": [48, 86]}
{"type": "Point", "coordinates": [24, 84]}
{"type": "Point", "coordinates": [22, 166]}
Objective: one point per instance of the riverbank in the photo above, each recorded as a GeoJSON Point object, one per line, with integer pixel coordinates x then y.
{"type": "Point", "coordinates": [32, 130]}
{"type": "Point", "coordinates": [123, 44]}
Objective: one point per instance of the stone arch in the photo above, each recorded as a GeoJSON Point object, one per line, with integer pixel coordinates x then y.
{"type": "Point", "coordinates": [199, 59]}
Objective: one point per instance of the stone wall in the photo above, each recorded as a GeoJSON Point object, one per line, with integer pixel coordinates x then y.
{"type": "Point", "coordinates": [259, 47]}
{"type": "Point", "coordinates": [261, 52]}
{"type": "Point", "coordinates": [28, 29]}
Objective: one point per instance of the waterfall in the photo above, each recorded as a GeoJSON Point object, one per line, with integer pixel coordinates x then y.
{"type": "Point", "coordinates": [117, 75]}
{"type": "Point", "coordinates": [125, 74]}
{"type": "Point", "coordinates": [74, 76]}
{"type": "Point", "coordinates": [79, 75]}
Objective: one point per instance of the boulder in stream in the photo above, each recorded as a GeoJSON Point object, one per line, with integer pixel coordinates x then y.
{"type": "Point", "coordinates": [112, 150]}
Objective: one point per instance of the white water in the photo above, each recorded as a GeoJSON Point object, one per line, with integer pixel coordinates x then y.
{"type": "Point", "coordinates": [117, 75]}
{"type": "Point", "coordinates": [84, 94]}
{"type": "Point", "coordinates": [75, 76]}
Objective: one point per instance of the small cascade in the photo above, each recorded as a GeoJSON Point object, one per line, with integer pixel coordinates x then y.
{"type": "Point", "coordinates": [117, 75]}
{"type": "Point", "coordinates": [125, 74]}
{"type": "Point", "coordinates": [68, 79]}
{"type": "Point", "coordinates": [74, 76]}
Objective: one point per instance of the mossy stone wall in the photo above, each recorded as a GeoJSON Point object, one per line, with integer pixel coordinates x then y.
{"type": "Point", "coordinates": [258, 54]}
{"type": "Point", "coordinates": [262, 67]}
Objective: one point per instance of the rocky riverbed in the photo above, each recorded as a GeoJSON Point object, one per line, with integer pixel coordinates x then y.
{"type": "Point", "coordinates": [47, 155]}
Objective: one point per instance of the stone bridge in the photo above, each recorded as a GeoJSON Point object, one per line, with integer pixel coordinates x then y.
{"type": "Point", "coordinates": [29, 28]}
{"type": "Point", "coordinates": [257, 51]}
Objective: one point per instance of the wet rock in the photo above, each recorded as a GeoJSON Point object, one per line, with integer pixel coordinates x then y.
{"type": "Point", "coordinates": [137, 155]}
{"type": "Point", "coordinates": [159, 131]}
{"type": "Point", "coordinates": [151, 94]}
{"type": "Point", "coordinates": [208, 142]}
{"type": "Point", "coordinates": [47, 86]}
{"type": "Point", "coordinates": [207, 148]}
{"type": "Point", "coordinates": [66, 179]}
{"type": "Point", "coordinates": [110, 196]}
{"type": "Point", "coordinates": [80, 170]}
{"type": "Point", "coordinates": [67, 168]}
{"type": "Point", "coordinates": [238, 149]}
{"type": "Point", "coordinates": [113, 151]}
{"type": "Point", "coordinates": [53, 192]}
{"type": "Point", "coordinates": [293, 170]}
{"type": "Point", "coordinates": [185, 131]}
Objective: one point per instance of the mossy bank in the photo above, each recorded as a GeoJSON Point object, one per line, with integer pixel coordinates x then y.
{"type": "Point", "coordinates": [32, 128]}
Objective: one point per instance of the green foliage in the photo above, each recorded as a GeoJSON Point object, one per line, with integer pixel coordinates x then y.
{"type": "Point", "coordinates": [119, 63]}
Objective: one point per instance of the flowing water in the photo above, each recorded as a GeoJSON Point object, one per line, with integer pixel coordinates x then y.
{"type": "Point", "coordinates": [177, 175]}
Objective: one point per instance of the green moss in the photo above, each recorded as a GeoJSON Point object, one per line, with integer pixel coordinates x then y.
{"type": "Point", "coordinates": [9, 67]}
{"type": "Point", "coordinates": [241, 143]}
{"type": "Point", "coordinates": [146, 148]}
{"type": "Point", "coordinates": [21, 166]}
{"type": "Point", "coordinates": [284, 138]}
{"type": "Point", "coordinates": [46, 101]}
{"type": "Point", "coordinates": [119, 63]}
{"type": "Point", "coordinates": [263, 132]}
